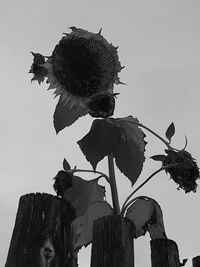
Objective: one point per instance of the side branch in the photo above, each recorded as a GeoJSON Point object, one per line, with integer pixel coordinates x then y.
{"type": "Point", "coordinates": [127, 203]}
{"type": "Point", "coordinates": [95, 172]}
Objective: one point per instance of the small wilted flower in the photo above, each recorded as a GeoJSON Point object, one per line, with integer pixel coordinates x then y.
{"type": "Point", "coordinates": [63, 180]}
{"type": "Point", "coordinates": [185, 173]}
{"type": "Point", "coordinates": [82, 65]}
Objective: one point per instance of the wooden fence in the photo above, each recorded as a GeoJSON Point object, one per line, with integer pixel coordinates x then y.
{"type": "Point", "coordinates": [41, 238]}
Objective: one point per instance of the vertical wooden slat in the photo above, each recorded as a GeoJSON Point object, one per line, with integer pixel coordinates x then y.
{"type": "Point", "coordinates": [164, 253]}
{"type": "Point", "coordinates": [196, 261]}
{"type": "Point", "coordinates": [41, 236]}
{"type": "Point", "coordinates": [112, 243]}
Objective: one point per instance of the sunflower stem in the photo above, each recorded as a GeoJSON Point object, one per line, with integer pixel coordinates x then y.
{"type": "Point", "coordinates": [113, 185]}
{"type": "Point", "coordinates": [154, 133]}
{"type": "Point", "coordinates": [127, 203]}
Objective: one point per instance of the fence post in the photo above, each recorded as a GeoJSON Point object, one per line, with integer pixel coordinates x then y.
{"type": "Point", "coordinates": [112, 243]}
{"type": "Point", "coordinates": [196, 261]}
{"type": "Point", "coordinates": [164, 252]}
{"type": "Point", "coordinates": [41, 236]}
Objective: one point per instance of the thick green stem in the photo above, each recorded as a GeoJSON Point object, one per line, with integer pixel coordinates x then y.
{"type": "Point", "coordinates": [113, 184]}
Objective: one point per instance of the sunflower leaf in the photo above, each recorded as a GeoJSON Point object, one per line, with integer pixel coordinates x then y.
{"type": "Point", "coordinates": [65, 115]}
{"type": "Point", "coordinates": [129, 153]}
{"type": "Point", "coordinates": [83, 193]}
{"type": "Point", "coordinates": [146, 215]}
{"type": "Point", "coordinates": [158, 157]}
{"type": "Point", "coordinates": [66, 165]}
{"type": "Point", "coordinates": [100, 141]}
{"type": "Point", "coordinates": [170, 131]}
{"type": "Point", "coordinates": [82, 227]}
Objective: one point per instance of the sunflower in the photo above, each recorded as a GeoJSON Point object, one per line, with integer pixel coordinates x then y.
{"type": "Point", "coordinates": [82, 67]}
{"type": "Point", "coordinates": [185, 173]}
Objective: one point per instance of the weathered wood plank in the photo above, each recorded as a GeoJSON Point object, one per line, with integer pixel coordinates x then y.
{"type": "Point", "coordinates": [164, 252]}
{"type": "Point", "coordinates": [196, 261]}
{"type": "Point", "coordinates": [112, 243]}
{"type": "Point", "coordinates": [41, 236]}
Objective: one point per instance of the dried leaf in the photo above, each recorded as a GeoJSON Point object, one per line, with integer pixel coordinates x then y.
{"type": "Point", "coordinates": [83, 193]}
{"type": "Point", "coordinates": [100, 141]}
{"type": "Point", "coordinates": [82, 227]}
{"type": "Point", "coordinates": [129, 154]}
{"type": "Point", "coordinates": [65, 115]}
{"type": "Point", "coordinates": [156, 228]}
{"type": "Point", "coordinates": [146, 215]}
{"type": "Point", "coordinates": [66, 165]}
{"type": "Point", "coordinates": [170, 131]}
{"type": "Point", "coordinates": [140, 213]}
{"type": "Point", "coordinates": [37, 68]}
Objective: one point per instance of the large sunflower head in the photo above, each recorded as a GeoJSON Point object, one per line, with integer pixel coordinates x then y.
{"type": "Point", "coordinates": [83, 64]}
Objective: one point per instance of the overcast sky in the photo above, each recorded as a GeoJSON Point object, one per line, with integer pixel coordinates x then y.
{"type": "Point", "coordinates": [159, 45]}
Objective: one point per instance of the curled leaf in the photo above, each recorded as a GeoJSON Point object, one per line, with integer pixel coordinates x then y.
{"type": "Point", "coordinates": [82, 227]}
{"type": "Point", "coordinates": [146, 215]}
{"type": "Point", "coordinates": [170, 131]}
{"type": "Point", "coordinates": [100, 141]}
{"type": "Point", "coordinates": [83, 193]}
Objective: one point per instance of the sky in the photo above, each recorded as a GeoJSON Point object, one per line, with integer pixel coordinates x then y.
{"type": "Point", "coordinates": [159, 45]}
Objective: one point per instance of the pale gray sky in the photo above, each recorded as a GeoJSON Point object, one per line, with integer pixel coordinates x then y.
{"type": "Point", "coordinates": [159, 45]}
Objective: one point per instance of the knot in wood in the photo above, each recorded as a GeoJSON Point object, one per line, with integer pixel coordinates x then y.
{"type": "Point", "coordinates": [47, 253]}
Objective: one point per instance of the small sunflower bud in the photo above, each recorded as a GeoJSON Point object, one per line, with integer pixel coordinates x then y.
{"type": "Point", "coordinates": [63, 180]}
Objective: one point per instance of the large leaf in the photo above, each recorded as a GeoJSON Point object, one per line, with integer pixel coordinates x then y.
{"type": "Point", "coordinates": [129, 154]}
{"type": "Point", "coordinates": [146, 215]}
{"type": "Point", "coordinates": [65, 115]}
{"type": "Point", "coordinates": [100, 141]}
{"type": "Point", "coordinates": [82, 227]}
{"type": "Point", "coordinates": [83, 193]}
